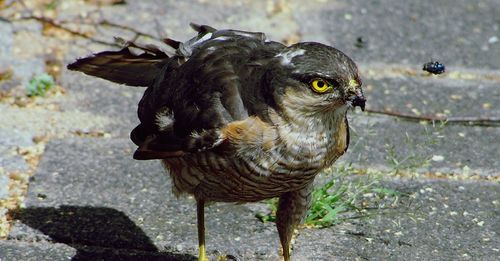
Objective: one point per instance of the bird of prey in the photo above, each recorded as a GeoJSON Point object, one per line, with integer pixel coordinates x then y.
{"type": "Point", "coordinates": [235, 117]}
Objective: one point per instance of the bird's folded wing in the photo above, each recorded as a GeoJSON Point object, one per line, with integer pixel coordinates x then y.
{"type": "Point", "coordinates": [209, 83]}
{"type": "Point", "coordinates": [192, 107]}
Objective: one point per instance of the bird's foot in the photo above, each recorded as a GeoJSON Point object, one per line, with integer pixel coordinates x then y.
{"type": "Point", "coordinates": [224, 257]}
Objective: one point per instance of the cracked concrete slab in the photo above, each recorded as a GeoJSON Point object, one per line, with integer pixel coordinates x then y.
{"type": "Point", "coordinates": [391, 144]}
{"type": "Point", "coordinates": [99, 198]}
{"type": "Point", "coordinates": [434, 96]}
{"type": "Point", "coordinates": [90, 200]}
{"type": "Point", "coordinates": [458, 33]}
{"type": "Point", "coordinates": [439, 220]}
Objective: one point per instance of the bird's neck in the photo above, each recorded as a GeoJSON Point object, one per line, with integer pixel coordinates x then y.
{"type": "Point", "coordinates": [315, 139]}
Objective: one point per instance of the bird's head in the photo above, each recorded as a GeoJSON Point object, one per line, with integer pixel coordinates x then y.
{"type": "Point", "coordinates": [316, 79]}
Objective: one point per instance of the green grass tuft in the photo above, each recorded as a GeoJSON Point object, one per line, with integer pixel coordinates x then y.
{"type": "Point", "coordinates": [339, 195]}
{"type": "Point", "coordinates": [40, 84]}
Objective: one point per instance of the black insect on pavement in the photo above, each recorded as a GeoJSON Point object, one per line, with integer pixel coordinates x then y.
{"type": "Point", "coordinates": [360, 42]}
{"type": "Point", "coordinates": [434, 67]}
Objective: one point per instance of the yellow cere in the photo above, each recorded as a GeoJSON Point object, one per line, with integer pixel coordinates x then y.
{"type": "Point", "coordinates": [353, 83]}
{"type": "Point", "coordinates": [320, 86]}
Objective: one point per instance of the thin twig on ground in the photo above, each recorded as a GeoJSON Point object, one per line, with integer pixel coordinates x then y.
{"type": "Point", "coordinates": [62, 26]}
{"type": "Point", "coordinates": [477, 121]}
{"type": "Point", "coordinates": [59, 25]}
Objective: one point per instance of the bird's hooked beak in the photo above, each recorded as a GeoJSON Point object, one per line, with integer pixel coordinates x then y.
{"type": "Point", "coordinates": [356, 97]}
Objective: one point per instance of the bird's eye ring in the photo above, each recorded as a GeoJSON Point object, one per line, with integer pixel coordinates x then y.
{"type": "Point", "coordinates": [320, 85]}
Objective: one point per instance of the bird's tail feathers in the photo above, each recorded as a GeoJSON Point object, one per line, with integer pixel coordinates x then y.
{"type": "Point", "coordinates": [124, 66]}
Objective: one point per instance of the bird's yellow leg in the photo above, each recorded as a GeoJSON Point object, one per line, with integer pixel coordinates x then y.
{"type": "Point", "coordinates": [286, 250]}
{"type": "Point", "coordinates": [200, 214]}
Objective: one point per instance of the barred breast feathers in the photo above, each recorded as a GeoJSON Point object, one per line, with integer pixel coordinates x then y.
{"type": "Point", "coordinates": [297, 145]}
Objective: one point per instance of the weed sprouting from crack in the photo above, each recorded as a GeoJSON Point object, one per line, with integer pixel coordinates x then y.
{"type": "Point", "coordinates": [412, 157]}
{"type": "Point", "coordinates": [342, 194]}
{"type": "Point", "coordinates": [40, 84]}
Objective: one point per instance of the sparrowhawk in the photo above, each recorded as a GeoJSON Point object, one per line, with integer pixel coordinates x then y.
{"type": "Point", "coordinates": [235, 117]}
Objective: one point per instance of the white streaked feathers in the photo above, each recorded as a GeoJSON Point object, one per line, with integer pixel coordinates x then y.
{"type": "Point", "coordinates": [164, 119]}
{"type": "Point", "coordinates": [287, 57]}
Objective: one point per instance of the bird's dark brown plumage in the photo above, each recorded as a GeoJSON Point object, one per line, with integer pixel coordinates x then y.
{"type": "Point", "coordinates": [237, 118]}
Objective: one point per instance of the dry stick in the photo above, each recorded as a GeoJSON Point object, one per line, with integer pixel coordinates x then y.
{"type": "Point", "coordinates": [480, 121]}
{"type": "Point", "coordinates": [100, 23]}
{"type": "Point", "coordinates": [138, 33]}
{"type": "Point", "coordinates": [105, 22]}
{"type": "Point", "coordinates": [66, 29]}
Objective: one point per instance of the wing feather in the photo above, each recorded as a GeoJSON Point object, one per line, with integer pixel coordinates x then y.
{"type": "Point", "coordinates": [123, 66]}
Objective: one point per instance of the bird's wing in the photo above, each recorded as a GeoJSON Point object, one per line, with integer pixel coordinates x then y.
{"type": "Point", "coordinates": [188, 108]}
{"type": "Point", "coordinates": [125, 66]}
{"type": "Point", "coordinates": [210, 83]}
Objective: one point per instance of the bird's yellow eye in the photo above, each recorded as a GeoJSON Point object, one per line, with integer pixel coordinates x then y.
{"type": "Point", "coordinates": [320, 86]}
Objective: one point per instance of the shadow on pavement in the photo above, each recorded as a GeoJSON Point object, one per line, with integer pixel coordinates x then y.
{"type": "Point", "coordinates": [97, 233]}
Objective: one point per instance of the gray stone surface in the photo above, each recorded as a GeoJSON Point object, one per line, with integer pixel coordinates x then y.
{"type": "Point", "coordinates": [100, 97]}
{"type": "Point", "coordinates": [42, 251]}
{"type": "Point", "coordinates": [34, 251]}
{"type": "Point", "coordinates": [13, 56]}
{"type": "Point", "coordinates": [376, 141]}
{"type": "Point", "coordinates": [108, 201]}
{"type": "Point", "coordinates": [115, 202]}
{"type": "Point", "coordinates": [5, 50]}
{"type": "Point", "coordinates": [26, 69]}
{"type": "Point", "coordinates": [10, 140]}
{"type": "Point", "coordinates": [398, 32]}
{"type": "Point", "coordinates": [15, 138]}
{"type": "Point", "coordinates": [171, 18]}
{"type": "Point", "coordinates": [434, 96]}
{"type": "Point", "coordinates": [4, 186]}
{"type": "Point", "coordinates": [6, 30]}
{"type": "Point", "coordinates": [90, 201]}
{"type": "Point", "coordinates": [439, 220]}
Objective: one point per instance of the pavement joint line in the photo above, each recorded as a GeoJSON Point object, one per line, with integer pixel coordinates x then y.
{"type": "Point", "coordinates": [451, 176]}
{"type": "Point", "coordinates": [385, 116]}
{"type": "Point", "coordinates": [375, 70]}
{"type": "Point", "coordinates": [452, 120]}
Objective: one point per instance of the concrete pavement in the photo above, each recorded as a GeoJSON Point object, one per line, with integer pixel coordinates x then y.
{"type": "Point", "coordinates": [88, 200]}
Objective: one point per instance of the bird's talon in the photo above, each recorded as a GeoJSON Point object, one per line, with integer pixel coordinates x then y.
{"type": "Point", "coordinates": [219, 256]}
